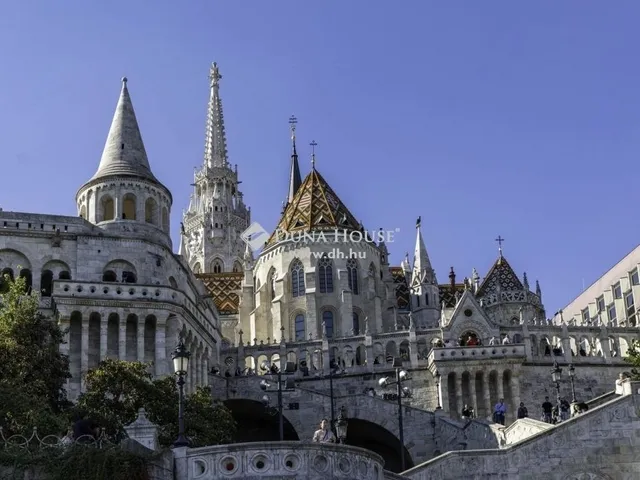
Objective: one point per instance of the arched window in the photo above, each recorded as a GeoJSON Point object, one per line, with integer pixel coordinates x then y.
{"type": "Point", "coordinates": [327, 319]}
{"type": "Point", "coordinates": [28, 279]}
{"type": "Point", "coordinates": [109, 276]}
{"type": "Point", "coordinates": [300, 327]}
{"type": "Point", "coordinates": [237, 267]}
{"type": "Point", "coordinates": [325, 275]}
{"type": "Point", "coordinates": [297, 279]}
{"type": "Point", "coordinates": [217, 266]}
{"type": "Point", "coordinates": [352, 275]}
{"type": "Point", "coordinates": [356, 324]}
{"type": "Point", "coordinates": [129, 206]}
{"type": "Point", "coordinates": [272, 284]}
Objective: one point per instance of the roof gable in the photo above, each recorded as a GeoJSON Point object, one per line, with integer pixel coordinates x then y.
{"type": "Point", "coordinates": [469, 316]}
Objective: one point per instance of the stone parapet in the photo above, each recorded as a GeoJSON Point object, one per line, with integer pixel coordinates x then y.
{"type": "Point", "coordinates": [310, 461]}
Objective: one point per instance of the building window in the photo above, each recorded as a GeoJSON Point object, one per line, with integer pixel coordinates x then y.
{"type": "Point", "coordinates": [297, 279]}
{"type": "Point", "coordinates": [600, 304]}
{"type": "Point", "coordinates": [612, 313]}
{"type": "Point", "coordinates": [356, 324]}
{"type": "Point", "coordinates": [631, 307]}
{"type": "Point", "coordinates": [325, 275]}
{"type": "Point", "coordinates": [272, 284]}
{"type": "Point", "coordinates": [217, 266]}
{"type": "Point", "coordinates": [300, 327]}
{"type": "Point", "coordinates": [426, 299]}
{"type": "Point", "coordinates": [585, 316]}
{"type": "Point", "coordinates": [352, 275]}
{"type": "Point", "coordinates": [327, 319]}
{"type": "Point", "coordinates": [635, 279]}
{"type": "Point", "coordinates": [617, 291]}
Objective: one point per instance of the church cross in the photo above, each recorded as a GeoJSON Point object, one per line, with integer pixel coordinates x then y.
{"type": "Point", "coordinates": [292, 125]}
{"type": "Point", "coordinates": [500, 240]}
{"type": "Point", "coordinates": [313, 152]}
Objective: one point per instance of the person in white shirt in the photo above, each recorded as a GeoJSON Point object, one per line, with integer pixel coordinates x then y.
{"type": "Point", "coordinates": [505, 340]}
{"type": "Point", "coordinates": [324, 434]}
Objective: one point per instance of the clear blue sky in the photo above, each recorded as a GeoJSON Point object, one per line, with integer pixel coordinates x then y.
{"type": "Point", "coordinates": [499, 117]}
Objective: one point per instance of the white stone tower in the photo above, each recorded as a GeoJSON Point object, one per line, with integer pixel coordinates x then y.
{"type": "Point", "coordinates": [217, 215]}
{"type": "Point", "coordinates": [424, 290]}
{"type": "Point", "coordinates": [124, 196]}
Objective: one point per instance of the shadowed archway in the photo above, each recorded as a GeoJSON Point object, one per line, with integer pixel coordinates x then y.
{"type": "Point", "coordinates": [257, 423]}
{"type": "Point", "coordinates": [365, 434]}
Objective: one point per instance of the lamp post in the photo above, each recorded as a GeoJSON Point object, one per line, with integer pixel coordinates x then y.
{"type": "Point", "coordinates": [438, 380]}
{"type": "Point", "coordinates": [572, 374]}
{"type": "Point", "coordinates": [180, 357]}
{"type": "Point", "coordinates": [401, 376]}
{"type": "Point", "coordinates": [333, 369]}
{"type": "Point", "coordinates": [289, 386]}
{"type": "Point", "coordinates": [341, 425]}
{"type": "Point", "coordinates": [556, 373]}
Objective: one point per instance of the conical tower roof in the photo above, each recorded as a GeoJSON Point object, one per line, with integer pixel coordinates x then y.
{"type": "Point", "coordinates": [315, 207]}
{"type": "Point", "coordinates": [124, 153]}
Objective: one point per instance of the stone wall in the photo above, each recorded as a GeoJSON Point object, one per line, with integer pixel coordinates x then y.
{"type": "Point", "coordinates": [598, 445]}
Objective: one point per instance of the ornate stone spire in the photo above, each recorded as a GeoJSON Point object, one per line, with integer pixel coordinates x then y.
{"type": "Point", "coordinates": [422, 269]}
{"type": "Point", "coordinates": [215, 150]}
{"type": "Point", "coordinates": [295, 180]}
{"type": "Point", "coordinates": [124, 152]}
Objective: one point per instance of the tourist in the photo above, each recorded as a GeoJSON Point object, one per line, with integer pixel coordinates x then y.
{"type": "Point", "coordinates": [467, 413]}
{"type": "Point", "coordinates": [324, 434]}
{"type": "Point", "coordinates": [505, 340]}
{"type": "Point", "coordinates": [522, 411]}
{"type": "Point", "coordinates": [564, 409]}
{"type": "Point", "coordinates": [547, 409]}
{"type": "Point", "coordinates": [499, 412]}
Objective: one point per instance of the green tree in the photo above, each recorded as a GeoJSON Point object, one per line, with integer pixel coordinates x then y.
{"type": "Point", "coordinates": [116, 390]}
{"type": "Point", "coordinates": [34, 371]}
{"type": "Point", "coordinates": [633, 358]}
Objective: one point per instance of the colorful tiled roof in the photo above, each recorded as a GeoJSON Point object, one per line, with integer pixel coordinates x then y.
{"type": "Point", "coordinates": [225, 289]}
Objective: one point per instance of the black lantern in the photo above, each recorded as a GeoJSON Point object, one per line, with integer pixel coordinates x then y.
{"type": "Point", "coordinates": [341, 425]}
{"type": "Point", "coordinates": [180, 357]}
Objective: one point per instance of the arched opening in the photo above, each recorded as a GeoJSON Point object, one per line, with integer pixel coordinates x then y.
{"type": "Point", "coordinates": [325, 275]}
{"type": "Point", "coordinates": [469, 339]}
{"type": "Point", "coordinates": [28, 279]}
{"type": "Point", "coordinates": [237, 267]}
{"type": "Point", "coordinates": [129, 207]}
{"type": "Point", "coordinates": [352, 276]}
{"type": "Point", "coordinates": [46, 283]}
{"type": "Point", "coordinates": [151, 211]}
{"type": "Point", "coordinates": [108, 208]}
{"type": "Point", "coordinates": [257, 423]}
{"type": "Point", "coordinates": [300, 330]}
{"type": "Point", "coordinates": [109, 276]}
{"type": "Point", "coordinates": [365, 434]}
{"type": "Point", "coordinates": [165, 219]}
{"type": "Point", "coordinates": [217, 266]}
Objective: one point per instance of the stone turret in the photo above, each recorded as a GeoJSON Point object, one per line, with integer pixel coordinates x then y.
{"type": "Point", "coordinates": [124, 195]}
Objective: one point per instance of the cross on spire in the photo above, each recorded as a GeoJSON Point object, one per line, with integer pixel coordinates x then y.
{"type": "Point", "coordinates": [313, 153]}
{"type": "Point", "coordinates": [500, 240]}
{"type": "Point", "coordinates": [292, 126]}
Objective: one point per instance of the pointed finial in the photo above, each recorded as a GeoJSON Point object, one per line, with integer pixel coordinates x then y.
{"type": "Point", "coordinates": [292, 126]}
{"type": "Point", "coordinates": [500, 240]}
{"type": "Point", "coordinates": [418, 222]}
{"type": "Point", "coordinates": [124, 81]}
{"type": "Point", "coordinates": [313, 153]}
{"type": "Point", "coordinates": [214, 75]}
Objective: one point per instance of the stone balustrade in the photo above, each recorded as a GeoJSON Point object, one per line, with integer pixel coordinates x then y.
{"type": "Point", "coordinates": [480, 352]}
{"type": "Point", "coordinates": [311, 461]}
{"type": "Point", "coordinates": [130, 292]}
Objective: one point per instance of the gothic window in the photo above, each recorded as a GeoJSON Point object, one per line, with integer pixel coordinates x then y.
{"type": "Point", "coordinates": [300, 327]}
{"type": "Point", "coordinates": [217, 266]}
{"type": "Point", "coordinates": [352, 275]}
{"type": "Point", "coordinates": [327, 318]}
{"type": "Point", "coordinates": [325, 275]}
{"type": "Point", "coordinates": [237, 268]}
{"type": "Point", "coordinates": [356, 324]}
{"type": "Point", "coordinates": [426, 299]}
{"type": "Point", "coordinates": [297, 279]}
{"type": "Point", "coordinates": [197, 268]}
{"type": "Point", "coordinates": [272, 284]}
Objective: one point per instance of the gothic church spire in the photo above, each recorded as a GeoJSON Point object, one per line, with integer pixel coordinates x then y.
{"type": "Point", "coordinates": [422, 269]}
{"type": "Point", "coordinates": [295, 180]}
{"type": "Point", "coordinates": [215, 150]}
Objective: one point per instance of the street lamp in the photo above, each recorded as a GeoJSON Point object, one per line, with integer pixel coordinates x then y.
{"type": "Point", "coordinates": [341, 425]}
{"type": "Point", "coordinates": [572, 374]}
{"type": "Point", "coordinates": [401, 376]}
{"type": "Point", "coordinates": [180, 358]}
{"type": "Point", "coordinates": [333, 371]}
{"type": "Point", "coordinates": [556, 373]}
{"type": "Point", "coordinates": [438, 380]}
{"type": "Point", "coordinates": [289, 386]}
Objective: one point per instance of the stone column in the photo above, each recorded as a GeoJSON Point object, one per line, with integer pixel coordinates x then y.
{"type": "Point", "coordinates": [459, 399]}
{"type": "Point", "coordinates": [140, 338]}
{"type": "Point", "coordinates": [84, 351]}
{"type": "Point", "coordinates": [344, 323]}
{"type": "Point", "coordinates": [64, 324]}
{"type": "Point", "coordinates": [500, 384]}
{"type": "Point", "coordinates": [122, 338]}
{"type": "Point", "coordinates": [486, 390]}
{"type": "Point", "coordinates": [515, 393]}
{"type": "Point", "coordinates": [104, 332]}
{"type": "Point", "coordinates": [161, 350]}
{"type": "Point", "coordinates": [472, 391]}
